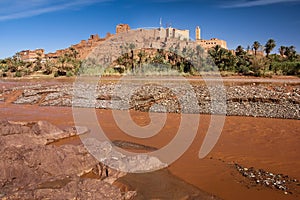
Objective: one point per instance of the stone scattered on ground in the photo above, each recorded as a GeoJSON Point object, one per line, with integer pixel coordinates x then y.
{"type": "Point", "coordinates": [268, 179]}
{"type": "Point", "coordinates": [273, 101]}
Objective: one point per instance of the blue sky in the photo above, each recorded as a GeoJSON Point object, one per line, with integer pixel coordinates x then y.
{"type": "Point", "coordinates": [52, 25]}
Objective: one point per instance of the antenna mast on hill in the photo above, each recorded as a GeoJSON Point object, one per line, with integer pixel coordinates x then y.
{"type": "Point", "coordinates": [160, 23]}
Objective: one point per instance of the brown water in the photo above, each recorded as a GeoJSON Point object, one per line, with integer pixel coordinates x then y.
{"type": "Point", "coordinates": [270, 144]}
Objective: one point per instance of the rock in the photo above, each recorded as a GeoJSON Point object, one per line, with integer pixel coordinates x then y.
{"type": "Point", "coordinates": [105, 153]}
{"type": "Point", "coordinates": [7, 128]}
{"type": "Point", "coordinates": [131, 145]}
{"type": "Point", "coordinates": [28, 99]}
{"type": "Point", "coordinates": [267, 179]}
{"type": "Point", "coordinates": [43, 127]}
{"type": "Point", "coordinates": [130, 195]}
{"type": "Point", "coordinates": [242, 100]}
{"type": "Point", "coordinates": [77, 130]}
{"type": "Point", "coordinates": [32, 170]}
{"type": "Point", "coordinates": [70, 188]}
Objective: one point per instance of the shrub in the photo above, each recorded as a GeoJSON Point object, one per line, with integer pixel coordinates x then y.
{"type": "Point", "coordinates": [26, 71]}
{"type": "Point", "coordinates": [69, 74]}
{"type": "Point", "coordinates": [110, 71]}
{"type": "Point", "coordinates": [47, 71]}
{"type": "Point", "coordinates": [36, 68]}
{"type": "Point", "coordinates": [18, 74]}
{"type": "Point", "coordinates": [244, 70]}
{"type": "Point", "coordinates": [56, 74]}
{"type": "Point", "coordinates": [287, 67]}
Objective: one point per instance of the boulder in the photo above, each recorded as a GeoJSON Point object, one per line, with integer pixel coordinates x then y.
{"type": "Point", "coordinates": [32, 170]}
{"type": "Point", "coordinates": [44, 127]}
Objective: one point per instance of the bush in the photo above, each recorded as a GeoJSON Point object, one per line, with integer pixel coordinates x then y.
{"type": "Point", "coordinates": [244, 70]}
{"type": "Point", "coordinates": [109, 71]}
{"type": "Point", "coordinates": [47, 71]}
{"type": "Point", "coordinates": [69, 74]}
{"type": "Point", "coordinates": [287, 67]}
{"type": "Point", "coordinates": [18, 74]}
{"type": "Point", "coordinates": [26, 71]}
{"type": "Point", "coordinates": [36, 68]}
{"type": "Point", "coordinates": [91, 71]}
{"type": "Point", "coordinates": [56, 74]}
{"type": "Point", "coordinates": [268, 74]}
{"type": "Point", "coordinates": [5, 68]}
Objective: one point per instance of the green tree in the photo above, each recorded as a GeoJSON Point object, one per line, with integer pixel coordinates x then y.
{"type": "Point", "coordinates": [256, 45]}
{"type": "Point", "coordinates": [222, 58]}
{"type": "Point", "coordinates": [282, 50]}
{"type": "Point", "coordinates": [74, 52]}
{"type": "Point", "coordinates": [199, 50]}
{"type": "Point", "coordinates": [132, 47]}
{"type": "Point", "coordinates": [239, 51]}
{"type": "Point", "coordinates": [38, 62]}
{"type": "Point", "coordinates": [62, 59]}
{"type": "Point", "coordinates": [270, 45]}
{"type": "Point", "coordinates": [290, 53]}
{"type": "Point", "coordinates": [141, 56]}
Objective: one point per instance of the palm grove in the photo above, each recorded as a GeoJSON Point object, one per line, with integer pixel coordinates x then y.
{"type": "Point", "coordinates": [240, 61]}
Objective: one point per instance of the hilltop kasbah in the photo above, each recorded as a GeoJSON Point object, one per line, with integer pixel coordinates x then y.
{"type": "Point", "coordinates": [83, 48]}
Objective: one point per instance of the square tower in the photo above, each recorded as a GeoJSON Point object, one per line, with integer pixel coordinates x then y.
{"type": "Point", "coordinates": [198, 33]}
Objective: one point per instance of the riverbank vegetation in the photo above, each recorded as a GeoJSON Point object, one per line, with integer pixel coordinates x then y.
{"type": "Point", "coordinates": [249, 62]}
{"type": "Point", "coordinates": [256, 60]}
{"type": "Point", "coordinates": [65, 65]}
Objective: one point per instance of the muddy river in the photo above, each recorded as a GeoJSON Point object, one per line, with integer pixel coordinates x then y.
{"type": "Point", "coordinates": [262, 143]}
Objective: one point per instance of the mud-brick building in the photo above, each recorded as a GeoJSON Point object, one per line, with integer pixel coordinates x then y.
{"type": "Point", "coordinates": [122, 28]}
{"type": "Point", "coordinates": [207, 44]}
{"type": "Point", "coordinates": [31, 55]}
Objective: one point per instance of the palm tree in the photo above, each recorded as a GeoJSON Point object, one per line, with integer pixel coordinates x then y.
{"type": "Point", "coordinates": [290, 52]}
{"type": "Point", "coordinates": [132, 47]}
{"type": "Point", "coordinates": [239, 51]}
{"type": "Point", "coordinates": [270, 45]}
{"type": "Point", "coordinates": [220, 56]}
{"type": "Point", "coordinates": [199, 55]}
{"type": "Point", "coordinates": [282, 50]}
{"type": "Point", "coordinates": [74, 52]}
{"type": "Point", "coordinates": [256, 45]}
{"type": "Point", "coordinates": [141, 56]}
{"type": "Point", "coordinates": [38, 61]}
{"type": "Point", "coordinates": [62, 59]}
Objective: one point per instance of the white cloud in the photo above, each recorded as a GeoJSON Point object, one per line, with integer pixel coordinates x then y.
{"type": "Point", "coordinates": [16, 9]}
{"type": "Point", "coordinates": [240, 4]}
